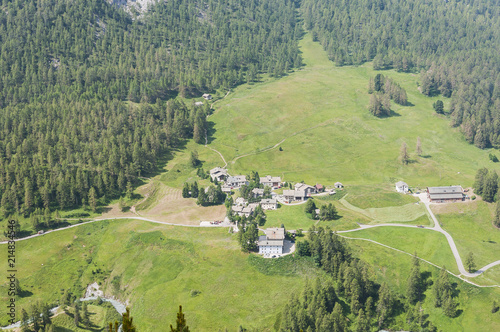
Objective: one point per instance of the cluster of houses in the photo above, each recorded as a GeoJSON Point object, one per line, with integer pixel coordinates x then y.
{"type": "Point", "coordinates": [445, 194]}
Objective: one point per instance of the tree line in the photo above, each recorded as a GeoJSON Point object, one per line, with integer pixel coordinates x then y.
{"type": "Point", "coordinates": [86, 92]}
{"type": "Point", "coordinates": [350, 298]}
{"type": "Point", "coordinates": [454, 45]}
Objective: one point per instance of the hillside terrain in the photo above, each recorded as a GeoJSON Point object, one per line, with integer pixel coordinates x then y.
{"type": "Point", "coordinates": [104, 134]}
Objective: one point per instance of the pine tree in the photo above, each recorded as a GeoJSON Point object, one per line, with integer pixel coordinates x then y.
{"type": "Point", "coordinates": [496, 221]}
{"type": "Point", "coordinates": [185, 190]}
{"type": "Point", "coordinates": [310, 206]}
{"type": "Point", "coordinates": [194, 190]}
{"type": "Point", "coordinates": [490, 187]}
{"type": "Point", "coordinates": [480, 180]}
{"type": "Point", "coordinates": [92, 199]}
{"type": "Point", "coordinates": [403, 154]}
{"type": "Point", "coordinates": [202, 197]}
{"type": "Point", "coordinates": [413, 288]}
{"type": "Point", "coordinates": [181, 324]}
{"type": "Point", "coordinates": [362, 322]}
{"type": "Point", "coordinates": [128, 322]}
{"type": "Point", "coordinates": [25, 321]}
{"type": "Point", "coordinates": [470, 263]}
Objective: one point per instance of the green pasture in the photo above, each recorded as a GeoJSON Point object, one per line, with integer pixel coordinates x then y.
{"type": "Point", "coordinates": [428, 244]}
{"type": "Point", "coordinates": [472, 229]}
{"type": "Point", "coordinates": [474, 303]}
{"type": "Point", "coordinates": [321, 114]}
{"type": "Point", "coordinates": [159, 267]}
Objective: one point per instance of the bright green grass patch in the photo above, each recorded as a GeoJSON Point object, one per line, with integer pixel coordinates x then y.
{"type": "Point", "coordinates": [471, 228]}
{"type": "Point", "coordinates": [321, 112]}
{"type": "Point", "coordinates": [159, 267]}
{"type": "Point", "coordinates": [294, 217]}
{"type": "Point", "coordinates": [366, 197]}
{"type": "Point", "coordinates": [406, 213]}
{"type": "Point", "coordinates": [474, 303]}
{"type": "Point", "coordinates": [428, 244]}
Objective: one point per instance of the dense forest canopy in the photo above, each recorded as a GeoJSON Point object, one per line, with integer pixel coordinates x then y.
{"type": "Point", "coordinates": [455, 44]}
{"type": "Point", "coordinates": [68, 68]}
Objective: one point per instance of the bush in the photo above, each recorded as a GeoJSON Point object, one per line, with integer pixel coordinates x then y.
{"type": "Point", "coordinates": [473, 197]}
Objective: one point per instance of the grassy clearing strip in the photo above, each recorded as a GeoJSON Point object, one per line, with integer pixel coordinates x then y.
{"type": "Point", "coordinates": [420, 258]}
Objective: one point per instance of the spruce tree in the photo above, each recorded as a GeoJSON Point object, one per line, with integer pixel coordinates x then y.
{"type": "Point", "coordinates": [470, 263]}
{"type": "Point", "coordinates": [413, 288]}
{"type": "Point", "coordinates": [185, 190]}
{"type": "Point", "coordinates": [403, 154]}
{"type": "Point", "coordinates": [181, 324]}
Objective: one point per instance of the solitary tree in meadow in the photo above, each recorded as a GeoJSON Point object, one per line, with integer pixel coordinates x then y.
{"type": "Point", "coordinates": [419, 146]}
{"type": "Point", "coordinates": [403, 154]}
{"type": "Point", "coordinates": [470, 263]}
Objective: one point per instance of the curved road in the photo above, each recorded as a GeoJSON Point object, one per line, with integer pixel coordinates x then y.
{"type": "Point", "coordinates": [437, 227]}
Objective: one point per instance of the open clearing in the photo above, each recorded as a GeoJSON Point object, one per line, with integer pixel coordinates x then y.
{"type": "Point", "coordinates": [322, 113]}
{"type": "Point", "coordinates": [158, 268]}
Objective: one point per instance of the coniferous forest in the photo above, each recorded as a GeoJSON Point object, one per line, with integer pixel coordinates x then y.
{"type": "Point", "coordinates": [69, 70]}
{"type": "Point", "coordinates": [454, 45]}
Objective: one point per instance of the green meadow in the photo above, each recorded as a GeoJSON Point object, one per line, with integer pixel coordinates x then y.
{"type": "Point", "coordinates": [321, 114]}
{"type": "Point", "coordinates": [157, 267]}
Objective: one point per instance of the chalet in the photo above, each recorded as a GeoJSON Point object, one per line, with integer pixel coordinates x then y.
{"type": "Point", "coordinates": [243, 210]}
{"type": "Point", "coordinates": [304, 188]}
{"type": "Point", "coordinates": [236, 181]}
{"type": "Point", "coordinates": [401, 187]}
{"type": "Point", "coordinates": [272, 242]}
{"type": "Point", "coordinates": [289, 195]}
{"type": "Point", "coordinates": [269, 204]}
{"type": "Point", "coordinates": [198, 103]}
{"type": "Point", "coordinates": [207, 96]}
{"type": "Point", "coordinates": [218, 173]}
{"type": "Point", "coordinates": [271, 181]}
{"type": "Point", "coordinates": [338, 185]}
{"type": "Point", "coordinates": [241, 201]}
{"type": "Point", "coordinates": [445, 194]}
{"type": "Point", "coordinates": [257, 192]}
{"type": "Point", "coordinates": [319, 187]}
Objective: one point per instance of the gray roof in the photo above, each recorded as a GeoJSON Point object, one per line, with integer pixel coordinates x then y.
{"type": "Point", "coordinates": [270, 178]}
{"type": "Point", "coordinates": [218, 170]}
{"type": "Point", "coordinates": [268, 201]}
{"type": "Point", "coordinates": [401, 183]}
{"type": "Point", "coordinates": [258, 191]}
{"type": "Point", "coordinates": [303, 186]}
{"type": "Point", "coordinates": [444, 190]}
{"type": "Point", "coordinates": [288, 192]}
{"type": "Point", "coordinates": [263, 241]}
{"type": "Point", "coordinates": [447, 196]}
{"type": "Point", "coordinates": [275, 233]}
{"type": "Point", "coordinates": [236, 178]}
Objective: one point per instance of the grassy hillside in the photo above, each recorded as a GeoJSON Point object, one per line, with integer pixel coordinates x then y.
{"type": "Point", "coordinates": [157, 267]}
{"type": "Point", "coordinates": [394, 268]}
{"type": "Point", "coordinates": [472, 229]}
{"type": "Point", "coordinates": [321, 114]}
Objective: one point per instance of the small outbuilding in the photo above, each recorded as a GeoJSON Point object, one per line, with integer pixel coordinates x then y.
{"type": "Point", "coordinates": [339, 185]}
{"type": "Point", "coordinates": [402, 187]}
{"type": "Point", "coordinates": [207, 96]}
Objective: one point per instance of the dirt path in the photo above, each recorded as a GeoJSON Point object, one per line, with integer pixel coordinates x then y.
{"type": "Point", "coordinates": [206, 136]}
{"type": "Point", "coordinates": [280, 142]}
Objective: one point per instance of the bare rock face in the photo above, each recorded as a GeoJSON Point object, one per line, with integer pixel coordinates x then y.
{"type": "Point", "coordinates": [140, 6]}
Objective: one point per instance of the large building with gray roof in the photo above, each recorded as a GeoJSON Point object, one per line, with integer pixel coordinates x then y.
{"type": "Point", "coordinates": [445, 194]}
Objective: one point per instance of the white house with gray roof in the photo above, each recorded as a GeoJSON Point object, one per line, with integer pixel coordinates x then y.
{"type": "Point", "coordinates": [271, 181]}
{"type": "Point", "coordinates": [269, 204]}
{"type": "Point", "coordinates": [272, 243]}
{"type": "Point", "coordinates": [218, 173]}
{"type": "Point", "coordinates": [236, 181]}
{"type": "Point", "coordinates": [401, 187]}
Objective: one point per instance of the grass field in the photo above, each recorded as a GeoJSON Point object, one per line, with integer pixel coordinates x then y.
{"type": "Point", "coordinates": [475, 303]}
{"type": "Point", "coordinates": [428, 244]}
{"type": "Point", "coordinates": [160, 267]}
{"type": "Point", "coordinates": [471, 227]}
{"type": "Point", "coordinates": [321, 112]}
